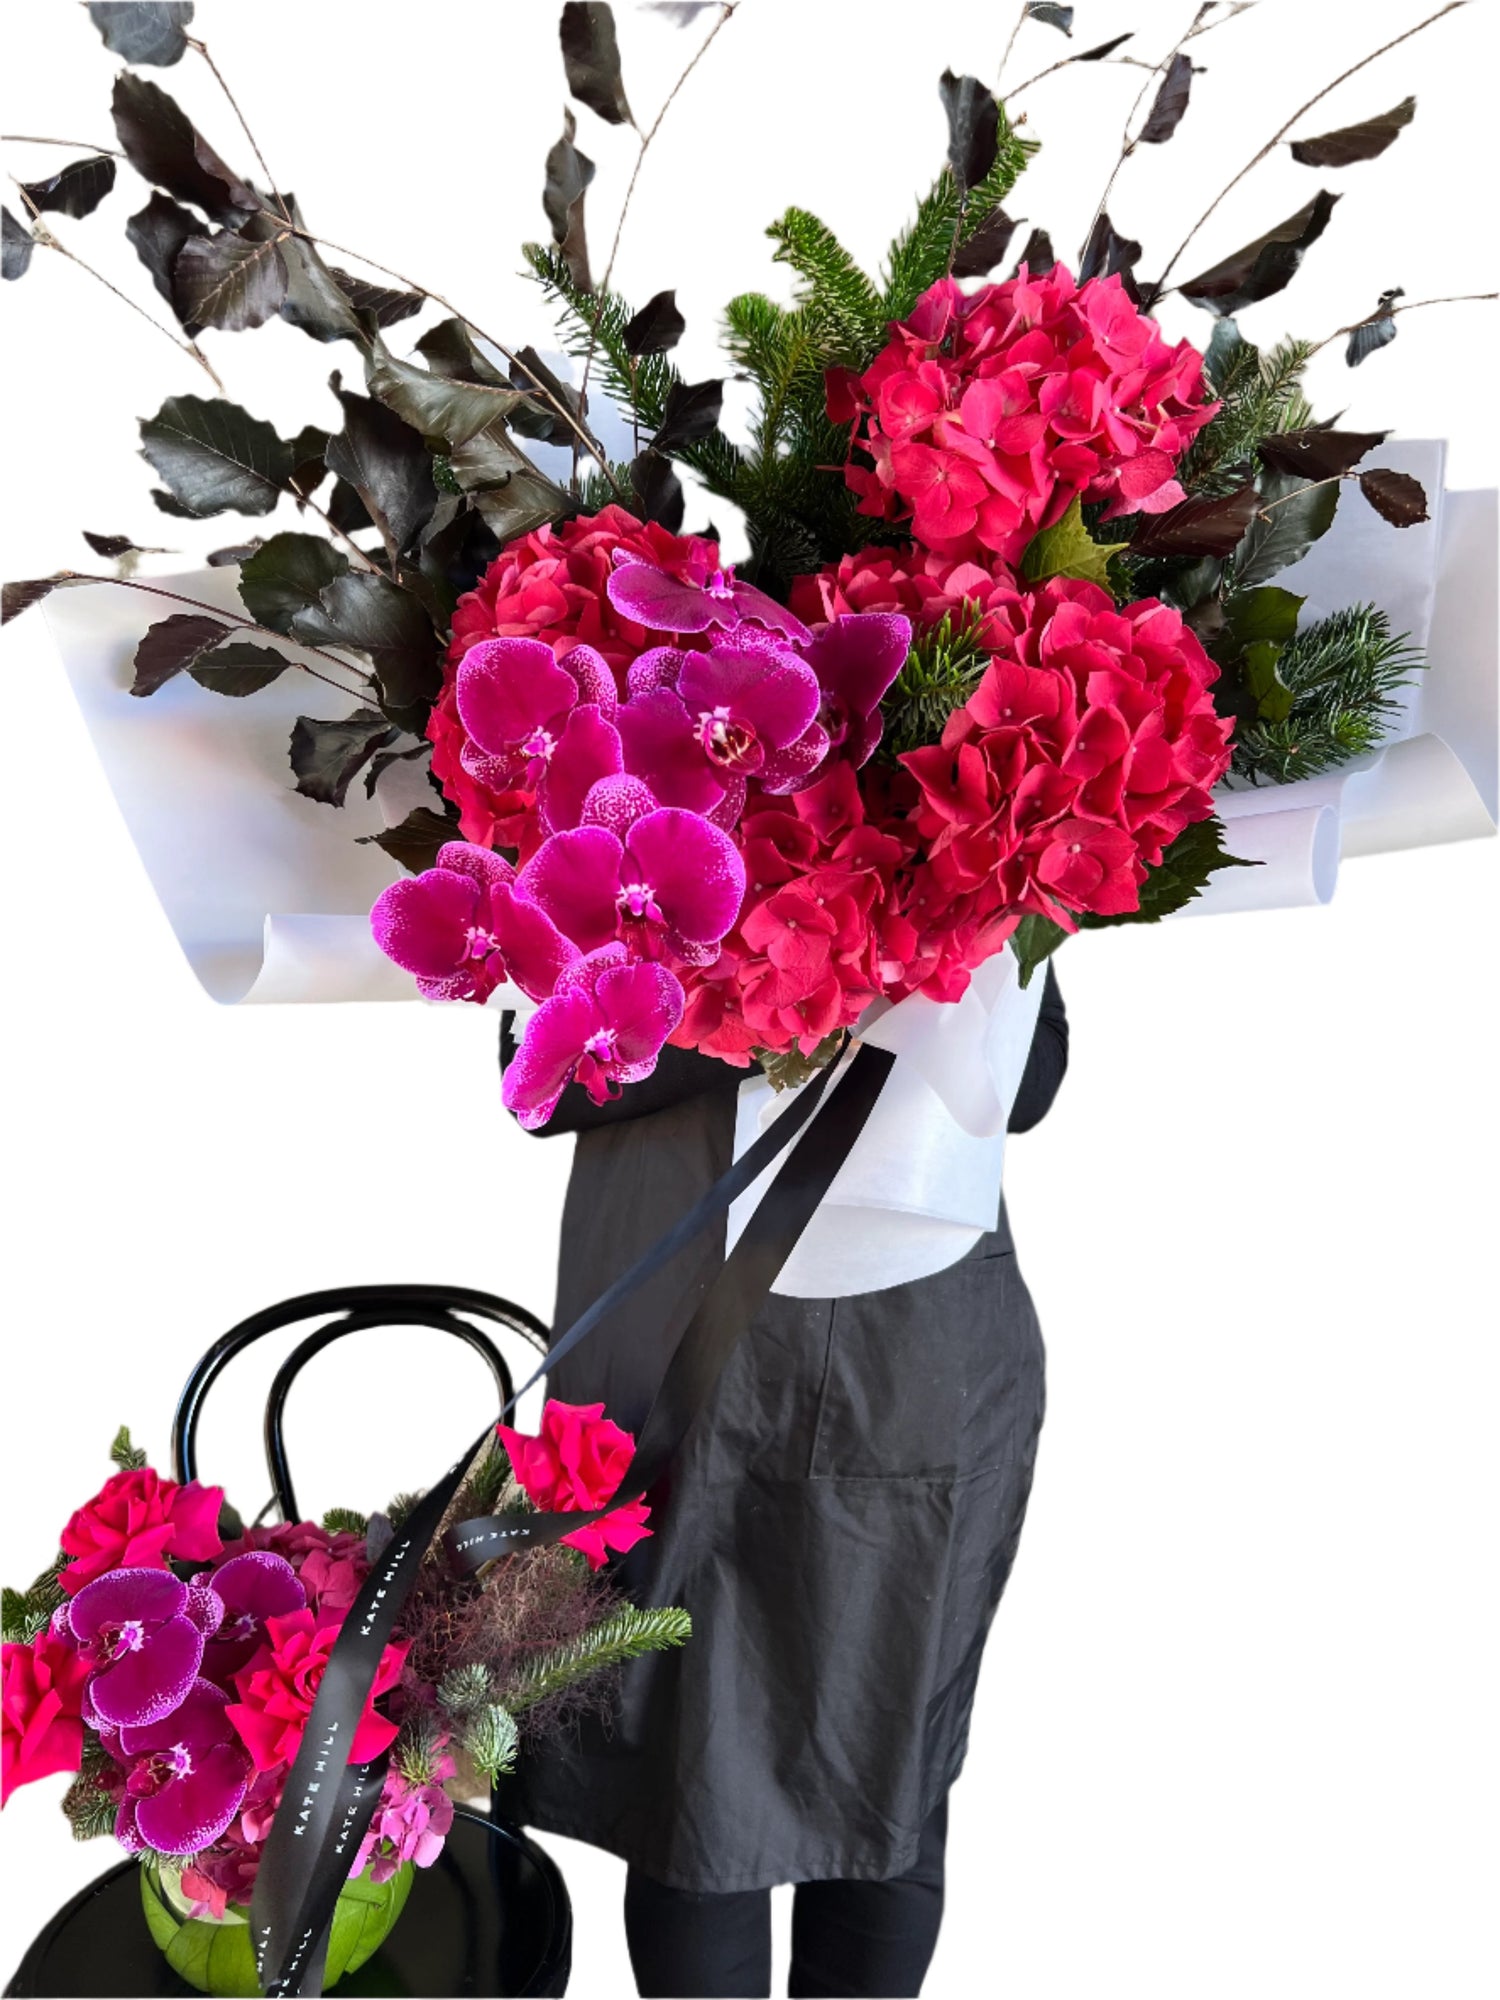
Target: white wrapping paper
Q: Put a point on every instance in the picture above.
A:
(268, 893)
(1437, 779)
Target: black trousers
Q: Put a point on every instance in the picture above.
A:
(867, 1940)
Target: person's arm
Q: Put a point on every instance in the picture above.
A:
(1047, 1062)
(680, 1074)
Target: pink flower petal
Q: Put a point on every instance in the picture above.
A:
(509, 687)
(661, 747)
(575, 878)
(642, 1003)
(588, 750)
(773, 692)
(423, 921)
(541, 1068)
(694, 870)
(534, 949)
(650, 597)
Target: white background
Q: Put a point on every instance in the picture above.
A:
(1236, 1732)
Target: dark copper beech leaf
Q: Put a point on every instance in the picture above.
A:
(143, 31)
(386, 463)
(1049, 12)
(238, 668)
(1265, 266)
(1108, 252)
(214, 458)
(591, 59)
(1316, 453)
(973, 127)
(657, 327)
(1038, 256)
(160, 142)
(1379, 330)
(326, 756)
(983, 248)
(228, 281)
(18, 246)
(387, 307)
(76, 189)
(158, 232)
(232, 557)
(416, 841)
(1170, 102)
(1395, 496)
(568, 175)
(172, 644)
(112, 547)
(1103, 49)
(1365, 141)
(18, 597)
(658, 489)
(691, 411)
(1198, 527)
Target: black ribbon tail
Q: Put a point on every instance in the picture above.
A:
(327, 1803)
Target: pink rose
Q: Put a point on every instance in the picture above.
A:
(277, 1690)
(136, 1521)
(43, 1686)
(576, 1464)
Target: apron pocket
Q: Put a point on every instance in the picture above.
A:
(938, 1379)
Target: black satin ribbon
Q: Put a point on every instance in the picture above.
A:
(328, 1803)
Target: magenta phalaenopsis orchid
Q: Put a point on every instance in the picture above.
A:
(662, 603)
(462, 929)
(674, 882)
(517, 702)
(142, 1631)
(252, 1587)
(186, 1775)
(604, 1027)
(855, 660)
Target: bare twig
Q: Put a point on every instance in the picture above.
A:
(232, 622)
(1374, 318)
(1276, 137)
(1016, 26)
(48, 241)
(1128, 142)
(202, 49)
(30, 139)
(726, 10)
(306, 500)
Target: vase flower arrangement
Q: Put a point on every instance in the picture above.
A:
(169, 1659)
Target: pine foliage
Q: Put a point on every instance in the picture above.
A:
(622, 1636)
(492, 1741)
(797, 515)
(1261, 395)
(346, 1521)
(1343, 672)
(943, 668)
(24, 1613)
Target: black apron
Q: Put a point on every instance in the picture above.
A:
(840, 1523)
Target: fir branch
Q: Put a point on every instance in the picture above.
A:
(24, 1613)
(841, 302)
(622, 1636)
(90, 1810)
(346, 1521)
(465, 1688)
(943, 668)
(129, 1457)
(1343, 672)
(920, 254)
(492, 1740)
(488, 1478)
(1261, 394)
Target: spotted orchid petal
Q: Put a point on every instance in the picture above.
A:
(131, 1625)
(187, 1774)
(768, 696)
(691, 871)
(575, 879)
(512, 693)
(790, 769)
(605, 1027)
(587, 750)
(662, 603)
(662, 747)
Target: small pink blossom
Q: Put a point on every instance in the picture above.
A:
(462, 929)
(604, 1027)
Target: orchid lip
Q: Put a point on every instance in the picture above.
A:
(113, 1642)
(720, 584)
(732, 744)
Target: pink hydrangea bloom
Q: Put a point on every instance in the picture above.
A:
(411, 1823)
(989, 412)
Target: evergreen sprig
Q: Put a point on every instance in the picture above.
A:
(346, 1521)
(1343, 672)
(945, 665)
(488, 1478)
(920, 255)
(129, 1457)
(1261, 395)
(90, 1809)
(622, 1636)
(24, 1613)
(492, 1741)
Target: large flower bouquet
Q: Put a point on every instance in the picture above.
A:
(1009, 613)
(170, 1658)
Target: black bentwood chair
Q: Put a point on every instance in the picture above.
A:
(492, 1915)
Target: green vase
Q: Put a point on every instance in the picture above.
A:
(214, 1954)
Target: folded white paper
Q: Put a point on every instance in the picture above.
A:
(268, 893)
(1438, 777)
